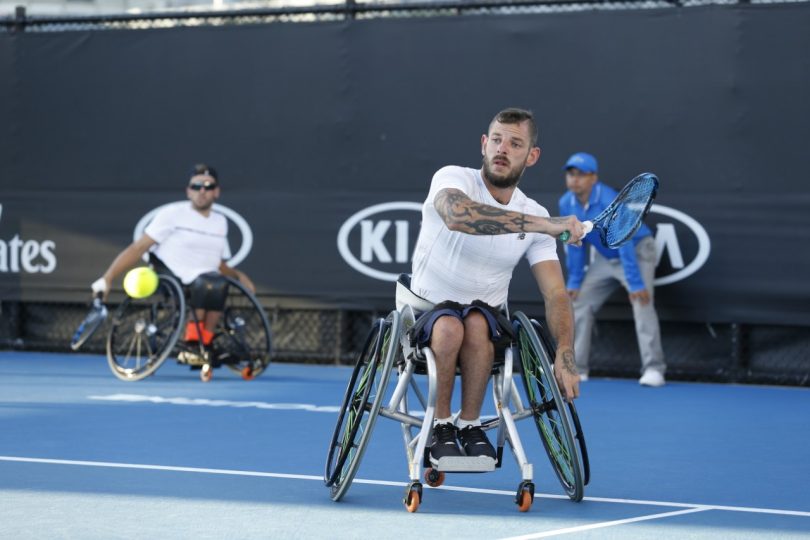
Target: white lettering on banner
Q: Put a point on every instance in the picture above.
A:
(372, 239)
(376, 244)
(670, 242)
(27, 256)
(665, 239)
(371, 243)
(240, 222)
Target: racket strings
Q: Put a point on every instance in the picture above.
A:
(632, 205)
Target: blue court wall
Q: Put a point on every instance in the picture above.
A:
(327, 134)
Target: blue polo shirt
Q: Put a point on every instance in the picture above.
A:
(601, 197)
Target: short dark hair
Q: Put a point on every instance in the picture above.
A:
(202, 168)
(514, 115)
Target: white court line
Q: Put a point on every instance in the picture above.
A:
(233, 472)
(202, 402)
(604, 524)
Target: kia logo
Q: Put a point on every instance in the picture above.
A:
(239, 221)
(668, 240)
(376, 241)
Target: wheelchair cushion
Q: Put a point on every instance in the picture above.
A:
(406, 297)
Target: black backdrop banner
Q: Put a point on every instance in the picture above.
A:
(326, 136)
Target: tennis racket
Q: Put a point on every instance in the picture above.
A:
(96, 316)
(621, 219)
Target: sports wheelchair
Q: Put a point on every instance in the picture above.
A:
(389, 346)
(144, 333)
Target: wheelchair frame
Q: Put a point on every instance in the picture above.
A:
(388, 346)
(144, 333)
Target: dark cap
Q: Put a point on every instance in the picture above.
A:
(202, 168)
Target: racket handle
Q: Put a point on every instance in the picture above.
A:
(587, 225)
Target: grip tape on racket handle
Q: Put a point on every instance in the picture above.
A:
(587, 225)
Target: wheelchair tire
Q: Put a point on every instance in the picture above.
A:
(361, 405)
(551, 413)
(242, 338)
(545, 339)
(144, 332)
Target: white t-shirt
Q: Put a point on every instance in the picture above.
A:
(451, 265)
(189, 243)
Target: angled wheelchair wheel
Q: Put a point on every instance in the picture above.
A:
(552, 415)
(361, 405)
(242, 337)
(546, 341)
(143, 332)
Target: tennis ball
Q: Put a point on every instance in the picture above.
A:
(140, 282)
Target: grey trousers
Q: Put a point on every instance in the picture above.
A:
(602, 278)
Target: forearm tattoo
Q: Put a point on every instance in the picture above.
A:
(568, 362)
(462, 213)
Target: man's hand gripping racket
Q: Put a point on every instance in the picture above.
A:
(96, 316)
(621, 219)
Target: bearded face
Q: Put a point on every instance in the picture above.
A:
(507, 152)
(501, 173)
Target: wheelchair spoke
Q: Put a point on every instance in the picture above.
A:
(551, 414)
(242, 337)
(360, 407)
(144, 331)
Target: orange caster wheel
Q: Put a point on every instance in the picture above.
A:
(434, 478)
(525, 496)
(247, 373)
(413, 497)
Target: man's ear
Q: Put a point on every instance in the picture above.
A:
(534, 156)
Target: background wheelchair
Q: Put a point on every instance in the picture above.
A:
(389, 348)
(144, 333)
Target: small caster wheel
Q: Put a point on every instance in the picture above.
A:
(206, 373)
(434, 478)
(247, 373)
(525, 496)
(413, 497)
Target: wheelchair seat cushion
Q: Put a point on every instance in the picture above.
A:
(406, 297)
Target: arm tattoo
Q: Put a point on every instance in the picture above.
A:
(461, 213)
(568, 362)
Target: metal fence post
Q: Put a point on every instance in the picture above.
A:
(739, 360)
(339, 336)
(19, 19)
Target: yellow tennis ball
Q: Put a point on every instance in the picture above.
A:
(140, 282)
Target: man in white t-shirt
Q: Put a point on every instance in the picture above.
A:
(476, 226)
(190, 240)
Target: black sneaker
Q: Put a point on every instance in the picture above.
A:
(444, 443)
(475, 442)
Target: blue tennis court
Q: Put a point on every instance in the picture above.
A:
(84, 455)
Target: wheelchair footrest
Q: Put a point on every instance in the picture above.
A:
(191, 358)
(465, 464)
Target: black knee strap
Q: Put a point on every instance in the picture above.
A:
(209, 291)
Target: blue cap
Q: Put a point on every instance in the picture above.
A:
(582, 161)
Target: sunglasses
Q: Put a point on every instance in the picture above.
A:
(203, 186)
